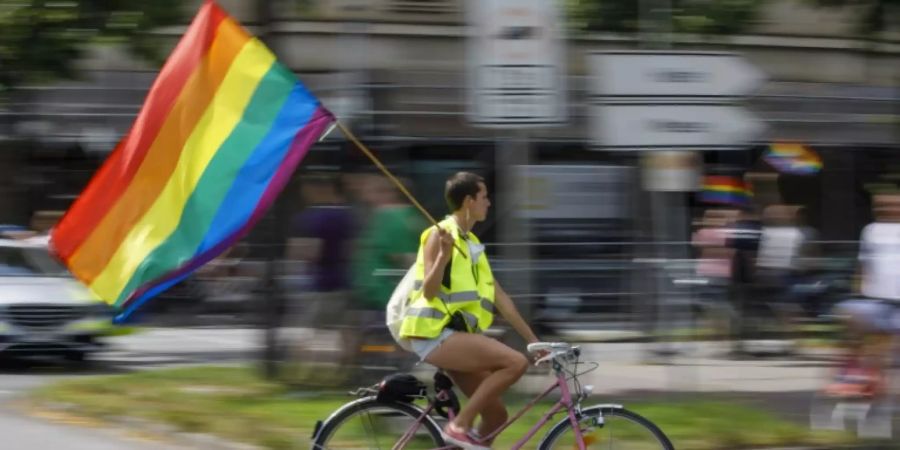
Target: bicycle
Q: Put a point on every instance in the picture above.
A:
(382, 420)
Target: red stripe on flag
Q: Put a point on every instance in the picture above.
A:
(721, 180)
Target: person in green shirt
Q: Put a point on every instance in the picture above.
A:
(387, 246)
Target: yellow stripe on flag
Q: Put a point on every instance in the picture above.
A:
(720, 188)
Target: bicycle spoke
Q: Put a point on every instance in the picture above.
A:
(372, 431)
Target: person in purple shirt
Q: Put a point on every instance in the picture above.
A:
(322, 237)
(326, 227)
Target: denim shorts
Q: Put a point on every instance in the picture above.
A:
(423, 347)
(883, 316)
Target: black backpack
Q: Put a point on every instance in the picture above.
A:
(400, 387)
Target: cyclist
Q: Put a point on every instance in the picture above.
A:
(873, 321)
(453, 303)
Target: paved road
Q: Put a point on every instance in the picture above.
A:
(30, 433)
(149, 349)
(146, 350)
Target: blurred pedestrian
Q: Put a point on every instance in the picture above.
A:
(715, 262)
(322, 236)
(388, 243)
(744, 237)
(872, 321)
(780, 264)
(710, 240)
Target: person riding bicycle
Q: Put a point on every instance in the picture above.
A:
(453, 303)
(873, 321)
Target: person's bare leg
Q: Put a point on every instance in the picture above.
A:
(474, 353)
(877, 356)
(858, 353)
(494, 414)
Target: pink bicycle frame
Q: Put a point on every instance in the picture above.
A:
(565, 402)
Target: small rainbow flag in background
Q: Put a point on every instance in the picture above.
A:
(725, 190)
(793, 158)
(221, 131)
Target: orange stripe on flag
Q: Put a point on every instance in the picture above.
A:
(721, 180)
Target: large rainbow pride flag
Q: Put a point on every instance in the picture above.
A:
(221, 131)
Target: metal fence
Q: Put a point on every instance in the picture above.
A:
(612, 291)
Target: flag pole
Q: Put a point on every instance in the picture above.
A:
(362, 147)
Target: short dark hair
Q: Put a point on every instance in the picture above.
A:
(460, 186)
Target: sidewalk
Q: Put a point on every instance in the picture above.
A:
(700, 367)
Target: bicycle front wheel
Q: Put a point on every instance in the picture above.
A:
(369, 424)
(608, 427)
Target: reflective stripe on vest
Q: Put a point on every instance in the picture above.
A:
(471, 321)
(455, 297)
(428, 313)
(487, 305)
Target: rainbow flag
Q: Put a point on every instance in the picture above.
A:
(793, 158)
(725, 190)
(221, 131)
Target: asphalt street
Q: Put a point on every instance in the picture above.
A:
(25, 429)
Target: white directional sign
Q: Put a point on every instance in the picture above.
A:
(671, 101)
(673, 75)
(515, 63)
(690, 127)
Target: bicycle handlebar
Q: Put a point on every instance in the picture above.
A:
(554, 350)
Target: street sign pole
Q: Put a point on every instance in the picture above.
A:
(659, 205)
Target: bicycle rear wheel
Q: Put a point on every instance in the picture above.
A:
(608, 428)
(369, 424)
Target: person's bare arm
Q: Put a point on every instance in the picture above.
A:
(508, 310)
(438, 250)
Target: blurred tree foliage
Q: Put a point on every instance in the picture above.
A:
(713, 16)
(874, 15)
(41, 40)
(688, 16)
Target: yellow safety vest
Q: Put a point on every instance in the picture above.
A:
(465, 287)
